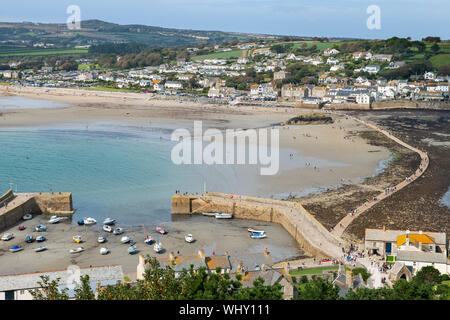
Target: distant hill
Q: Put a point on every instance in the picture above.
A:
(96, 32)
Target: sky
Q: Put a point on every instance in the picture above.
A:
(330, 18)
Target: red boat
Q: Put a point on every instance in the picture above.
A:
(161, 230)
(21, 228)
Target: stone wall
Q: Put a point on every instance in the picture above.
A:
(310, 235)
(15, 213)
(54, 203)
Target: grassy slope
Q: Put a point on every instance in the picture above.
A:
(218, 55)
(39, 52)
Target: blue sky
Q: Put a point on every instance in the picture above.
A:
(332, 18)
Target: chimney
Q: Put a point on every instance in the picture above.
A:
(172, 257)
(201, 255)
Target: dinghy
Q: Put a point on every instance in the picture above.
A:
(158, 247)
(54, 219)
(104, 251)
(7, 236)
(80, 222)
(29, 239)
(16, 248)
(40, 248)
(258, 235)
(40, 239)
(209, 214)
(109, 221)
(118, 231)
(107, 228)
(89, 221)
(77, 250)
(221, 215)
(161, 230)
(28, 216)
(189, 238)
(21, 228)
(148, 240)
(77, 239)
(41, 228)
(132, 248)
(101, 239)
(125, 239)
(255, 231)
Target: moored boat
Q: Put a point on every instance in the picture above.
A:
(29, 239)
(161, 230)
(209, 214)
(104, 251)
(118, 231)
(80, 222)
(107, 228)
(28, 216)
(101, 239)
(77, 239)
(41, 228)
(21, 228)
(189, 238)
(40, 239)
(148, 240)
(16, 248)
(158, 247)
(125, 239)
(132, 248)
(109, 221)
(40, 248)
(54, 219)
(255, 231)
(77, 250)
(7, 236)
(258, 235)
(89, 221)
(221, 215)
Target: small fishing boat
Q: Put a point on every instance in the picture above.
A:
(80, 222)
(255, 231)
(41, 228)
(158, 247)
(89, 221)
(132, 248)
(16, 248)
(161, 230)
(258, 235)
(40, 239)
(77, 239)
(40, 248)
(77, 250)
(7, 236)
(189, 238)
(101, 239)
(125, 239)
(54, 219)
(109, 221)
(21, 228)
(221, 215)
(28, 216)
(209, 214)
(107, 228)
(29, 239)
(118, 231)
(104, 251)
(148, 239)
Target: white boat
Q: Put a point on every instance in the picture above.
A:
(161, 230)
(189, 238)
(40, 248)
(28, 216)
(77, 239)
(132, 248)
(209, 214)
(221, 215)
(125, 239)
(118, 231)
(258, 235)
(54, 219)
(40, 239)
(109, 221)
(7, 236)
(41, 228)
(255, 231)
(77, 250)
(107, 228)
(104, 251)
(101, 239)
(89, 221)
(158, 247)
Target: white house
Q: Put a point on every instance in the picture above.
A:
(174, 85)
(429, 75)
(332, 60)
(363, 98)
(371, 68)
(330, 52)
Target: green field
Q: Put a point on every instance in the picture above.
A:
(440, 60)
(38, 52)
(314, 270)
(220, 55)
(320, 45)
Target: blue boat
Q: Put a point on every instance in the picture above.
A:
(16, 248)
(41, 228)
(132, 248)
(40, 239)
(29, 239)
(80, 222)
